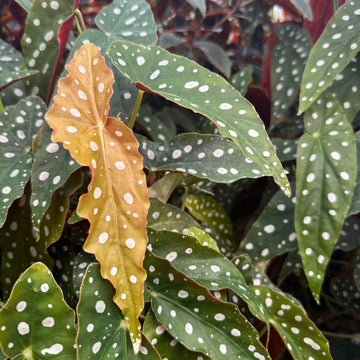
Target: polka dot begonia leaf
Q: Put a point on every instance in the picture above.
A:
(52, 167)
(336, 47)
(212, 270)
(211, 215)
(40, 44)
(104, 335)
(19, 125)
(300, 335)
(117, 202)
(164, 187)
(35, 321)
(196, 319)
(325, 181)
(357, 271)
(191, 153)
(241, 79)
(203, 237)
(18, 243)
(152, 124)
(10, 62)
(152, 69)
(286, 75)
(346, 89)
(285, 148)
(345, 293)
(130, 20)
(167, 346)
(169, 217)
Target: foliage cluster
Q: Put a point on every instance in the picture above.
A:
(179, 179)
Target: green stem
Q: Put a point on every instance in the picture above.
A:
(131, 122)
(335, 5)
(1, 106)
(80, 23)
(343, 336)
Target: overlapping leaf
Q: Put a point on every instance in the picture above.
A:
(19, 124)
(335, 48)
(39, 43)
(166, 345)
(153, 69)
(325, 180)
(102, 332)
(191, 153)
(196, 319)
(128, 20)
(36, 322)
(355, 203)
(117, 202)
(241, 79)
(213, 216)
(286, 75)
(10, 62)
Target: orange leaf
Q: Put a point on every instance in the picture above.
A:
(117, 202)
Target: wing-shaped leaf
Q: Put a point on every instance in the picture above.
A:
(36, 322)
(204, 92)
(325, 181)
(51, 168)
(19, 125)
(168, 347)
(18, 243)
(286, 75)
(169, 217)
(117, 202)
(335, 48)
(40, 44)
(10, 62)
(191, 153)
(102, 332)
(128, 20)
(197, 319)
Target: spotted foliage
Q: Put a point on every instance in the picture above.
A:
(231, 113)
(336, 47)
(241, 79)
(325, 181)
(109, 148)
(32, 331)
(19, 125)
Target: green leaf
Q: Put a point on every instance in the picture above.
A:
(52, 167)
(302, 338)
(273, 232)
(241, 79)
(25, 4)
(346, 293)
(233, 115)
(346, 88)
(335, 48)
(198, 320)
(286, 75)
(286, 149)
(18, 243)
(128, 20)
(163, 188)
(325, 179)
(169, 217)
(40, 44)
(10, 62)
(204, 238)
(35, 321)
(216, 55)
(355, 203)
(19, 125)
(102, 331)
(191, 153)
(165, 344)
(213, 216)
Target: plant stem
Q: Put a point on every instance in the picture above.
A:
(131, 122)
(1, 106)
(343, 336)
(184, 198)
(335, 5)
(80, 23)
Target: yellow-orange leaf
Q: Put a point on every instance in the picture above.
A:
(117, 202)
